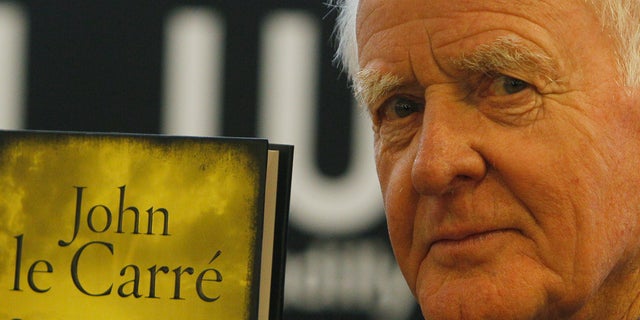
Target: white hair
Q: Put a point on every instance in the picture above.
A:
(620, 17)
(347, 46)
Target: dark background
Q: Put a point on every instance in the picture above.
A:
(99, 66)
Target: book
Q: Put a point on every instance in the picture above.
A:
(116, 226)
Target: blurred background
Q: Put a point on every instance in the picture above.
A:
(249, 68)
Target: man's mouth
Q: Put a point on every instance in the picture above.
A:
(470, 246)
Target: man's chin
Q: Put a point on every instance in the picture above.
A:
(481, 297)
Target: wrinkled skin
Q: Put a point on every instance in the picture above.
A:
(513, 193)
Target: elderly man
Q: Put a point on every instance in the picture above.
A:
(507, 138)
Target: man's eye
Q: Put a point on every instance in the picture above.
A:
(504, 85)
(399, 107)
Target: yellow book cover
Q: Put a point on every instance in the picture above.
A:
(107, 226)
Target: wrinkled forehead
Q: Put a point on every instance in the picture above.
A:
(385, 13)
(384, 25)
(374, 16)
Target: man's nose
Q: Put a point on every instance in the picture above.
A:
(446, 158)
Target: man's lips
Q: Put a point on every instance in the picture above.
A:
(460, 237)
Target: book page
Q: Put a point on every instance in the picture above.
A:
(129, 228)
(267, 234)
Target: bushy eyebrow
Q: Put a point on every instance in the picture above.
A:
(370, 85)
(502, 55)
(506, 54)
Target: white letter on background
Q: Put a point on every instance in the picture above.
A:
(194, 56)
(288, 87)
(13, 53)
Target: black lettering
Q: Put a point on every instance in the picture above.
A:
(135, 282)
(77, 220)
(151, 213)
(152, 281)
(176, 289)
(16, 279)
(121, 211)
(74, 268)
(90, 218)
(32, 270)
(201, 278)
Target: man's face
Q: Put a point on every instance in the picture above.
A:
(507, 153)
